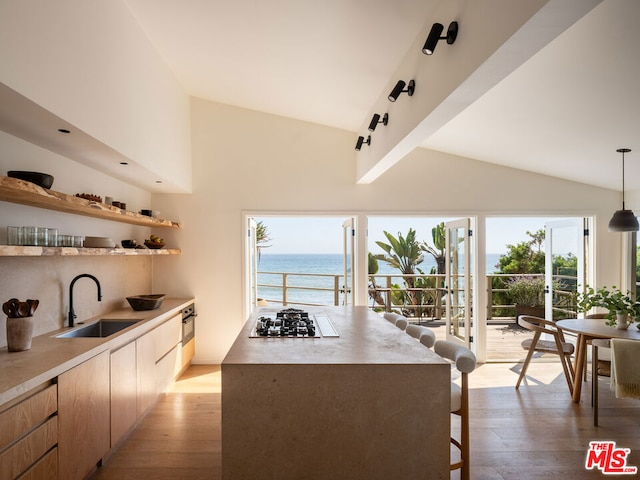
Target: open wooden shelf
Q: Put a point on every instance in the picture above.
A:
(25, 193)
(24, 251)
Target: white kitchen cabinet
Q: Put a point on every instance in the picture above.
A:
(83, 417)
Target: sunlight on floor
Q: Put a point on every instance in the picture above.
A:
(199, 379)
(493, 375)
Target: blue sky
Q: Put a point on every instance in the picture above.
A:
(324, 234)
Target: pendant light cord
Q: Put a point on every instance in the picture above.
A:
(623, 180)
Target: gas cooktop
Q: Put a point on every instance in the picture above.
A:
(293, 323)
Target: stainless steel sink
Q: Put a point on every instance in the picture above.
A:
(102, 328)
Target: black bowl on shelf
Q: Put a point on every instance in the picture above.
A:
(145, 302)
(129, 243)
(43, 180)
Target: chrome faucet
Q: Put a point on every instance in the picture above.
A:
(72, 314)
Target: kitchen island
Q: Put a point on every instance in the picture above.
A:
(371, 403)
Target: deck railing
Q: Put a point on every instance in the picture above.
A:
(388, 292)
(325, 286)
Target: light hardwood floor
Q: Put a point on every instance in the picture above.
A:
(179, 439)
(534, 433)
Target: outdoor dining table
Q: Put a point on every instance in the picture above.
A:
(587, 329)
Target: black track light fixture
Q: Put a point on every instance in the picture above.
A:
(434, 36)
(399, 88)
(623, 220)
(361, 140)
(375, 120)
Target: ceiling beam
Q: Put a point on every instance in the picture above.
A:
(495, 38)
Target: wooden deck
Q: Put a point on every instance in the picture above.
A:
(503, 341)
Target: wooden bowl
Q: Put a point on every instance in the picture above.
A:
(154, 244)
(145, 302)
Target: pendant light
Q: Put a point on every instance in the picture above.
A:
(623, 220)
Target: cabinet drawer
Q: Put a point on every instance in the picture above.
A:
(21, 455)
(167, 336)
(23, 417)
(45, 469)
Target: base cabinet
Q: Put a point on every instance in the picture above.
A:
(146, 380)
(83, 414)
(45, 469)
(65, 427)
(29, 435)
(168, 337)
(124, 392)
(157, 355)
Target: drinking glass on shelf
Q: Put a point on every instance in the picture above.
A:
(14, 236)
(78, 241)
(65, 241)
(36, 236)
(52, 237)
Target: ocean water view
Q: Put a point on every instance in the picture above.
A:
(325, 267)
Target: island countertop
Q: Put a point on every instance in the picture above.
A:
(364, 338)
(372, 403)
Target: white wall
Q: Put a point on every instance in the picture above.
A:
(245, 161)
(91, 64)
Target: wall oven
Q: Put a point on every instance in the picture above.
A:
(188, 323)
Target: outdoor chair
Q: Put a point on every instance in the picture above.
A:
(557, 346)
(465, 362)
(423, 334)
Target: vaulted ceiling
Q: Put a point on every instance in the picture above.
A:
(563, 113)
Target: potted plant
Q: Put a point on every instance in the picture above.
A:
(527, 293)
(621, 307)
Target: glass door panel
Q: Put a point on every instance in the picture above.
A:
(252, 265)
(565, 271)
(349, 236)
(458, 282)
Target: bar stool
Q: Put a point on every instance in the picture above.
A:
(465, 363)
(423, 334)
(398, 320)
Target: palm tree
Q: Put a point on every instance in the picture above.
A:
(438, 249)
(262, 237)
(405, 254)
(439, 253)
(374, 293)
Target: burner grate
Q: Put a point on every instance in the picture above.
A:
(291, 322)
